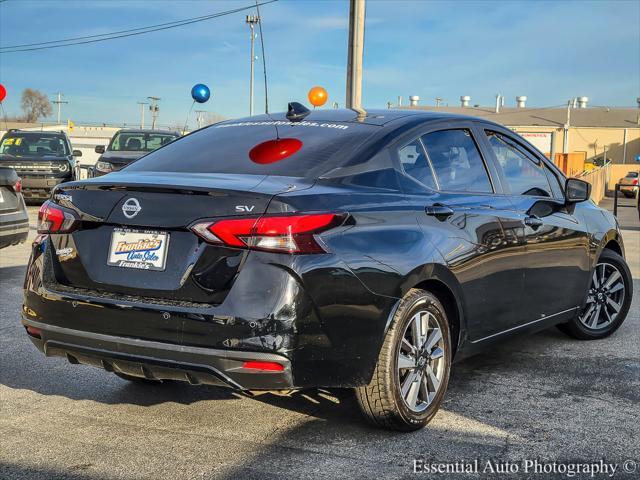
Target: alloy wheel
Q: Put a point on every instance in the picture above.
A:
(605, 298)
(421, 361)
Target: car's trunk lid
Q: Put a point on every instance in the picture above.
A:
(162, 204)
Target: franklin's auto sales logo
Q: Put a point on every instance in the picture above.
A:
(138, 246)
(131, 207)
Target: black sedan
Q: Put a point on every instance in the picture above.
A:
(129, 145)
(330, 249)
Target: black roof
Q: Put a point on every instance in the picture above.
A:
(379, 117)
(36, 132)
(148, 130)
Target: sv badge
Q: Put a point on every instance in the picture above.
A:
(245, 208)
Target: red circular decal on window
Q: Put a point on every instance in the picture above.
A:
(273, 151)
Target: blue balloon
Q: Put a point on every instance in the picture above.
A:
(200, 93)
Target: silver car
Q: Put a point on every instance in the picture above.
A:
(14, 220)
(629, 184)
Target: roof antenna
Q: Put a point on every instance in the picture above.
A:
(297, 112)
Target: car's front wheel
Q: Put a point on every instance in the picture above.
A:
(608, 300)
(412, 371)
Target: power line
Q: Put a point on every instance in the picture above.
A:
(86, 37)
(121, 34)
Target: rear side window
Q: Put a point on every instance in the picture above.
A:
(523, 174)
(303, 149)
(414, 163)
(456, 161)
(139, 141)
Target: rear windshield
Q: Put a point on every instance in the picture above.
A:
(303, 149)
(32, 144)
(632, 175)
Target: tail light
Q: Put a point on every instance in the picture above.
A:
(17, 187)
(283, 233)
(635, 181)
(55, 219)
(263, 366)
(34, 332)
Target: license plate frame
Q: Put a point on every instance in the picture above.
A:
(138, 249)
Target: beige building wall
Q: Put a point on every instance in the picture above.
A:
(594, 140)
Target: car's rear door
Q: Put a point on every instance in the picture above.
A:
(459, 207)
(556, 253)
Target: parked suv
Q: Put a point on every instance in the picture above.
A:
(129, 145)
(338, 250)
(41, 159)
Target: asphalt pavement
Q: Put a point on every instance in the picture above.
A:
(544, 397)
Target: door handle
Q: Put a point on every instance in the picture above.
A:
(533, 222)
(438, 210)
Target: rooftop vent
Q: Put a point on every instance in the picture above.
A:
(464, 100)
(582, 102)
(413, 100)
(521, 101)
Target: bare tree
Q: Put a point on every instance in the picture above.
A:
(35, 104)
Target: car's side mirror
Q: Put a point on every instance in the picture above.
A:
(577, 190)
(77, 153)
(100, 149)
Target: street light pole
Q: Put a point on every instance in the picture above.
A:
(142, 104)
(59, 103)
(154, 111)
(252, 21)
(356, 49)
(200, 117)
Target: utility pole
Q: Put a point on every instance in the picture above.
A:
(252, 21)
(154, 110)
(200, 117)
(356, 49)
(59, 103)
(565, 139)
(142, 104)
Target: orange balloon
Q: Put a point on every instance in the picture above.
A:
(318, 96)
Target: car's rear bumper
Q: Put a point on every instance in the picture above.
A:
(40, 186)
(14, 227)
(629, 188)
(161, 361)
(325, 329)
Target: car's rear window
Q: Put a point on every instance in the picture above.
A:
(302, 149)
(632, 175)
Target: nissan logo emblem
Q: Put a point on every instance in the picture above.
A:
(131, 207)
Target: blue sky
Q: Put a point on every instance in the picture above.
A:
(548, 50)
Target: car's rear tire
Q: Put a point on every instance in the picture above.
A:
(141, 380)
(412, 371)
(608, 300)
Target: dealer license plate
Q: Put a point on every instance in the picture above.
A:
(141, 249)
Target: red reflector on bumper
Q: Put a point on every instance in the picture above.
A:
(34, 332)
(266, 366)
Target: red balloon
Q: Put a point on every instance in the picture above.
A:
(3, 92)
(273, 151)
